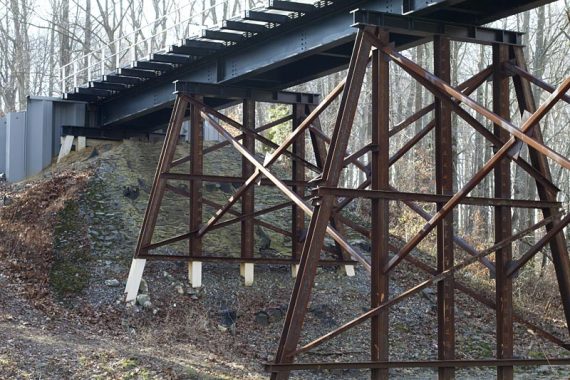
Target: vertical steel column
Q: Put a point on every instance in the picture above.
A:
(320, 150)
(380, 229)
(444, 185)
(159, 184)
(503, 222)
(558, 243)
(196, 168)
(247, 169)
(156, 195)
(298, 174)
(323, 209)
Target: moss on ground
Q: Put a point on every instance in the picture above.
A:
(69, 273)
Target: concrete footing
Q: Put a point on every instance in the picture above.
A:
(246, 270)
(195, 273)
(66, 145)
(134, 280)
(294, 270)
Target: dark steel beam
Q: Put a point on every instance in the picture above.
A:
(105, 133)
(222, 35)
(227, 259)
(94, 91)
(197, 169)
(108, 86)
(146, 65)
(470, 11)
(122, 79)
(289, 61)
(265, 16)
(247, 169)
(433, 198)
(411, 6)
(380, 209)
(413, 26)
(171, 58)
(138, 73)
(234, 92)
(444, 185)
(221, 179)
(81, 97)
(503, 218)
(191, 51)
(291, 6)
(298, 174)
(415, 364)
(244, 26)
(203, 44)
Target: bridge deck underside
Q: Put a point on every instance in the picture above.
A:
(305, 46)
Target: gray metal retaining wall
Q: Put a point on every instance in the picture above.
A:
(15, 146)
(30, 139)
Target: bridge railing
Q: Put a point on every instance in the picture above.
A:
(155, 37)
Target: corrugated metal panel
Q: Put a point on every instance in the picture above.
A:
(211, 134)
(3, 144)
(39, 135)
(16, 146)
